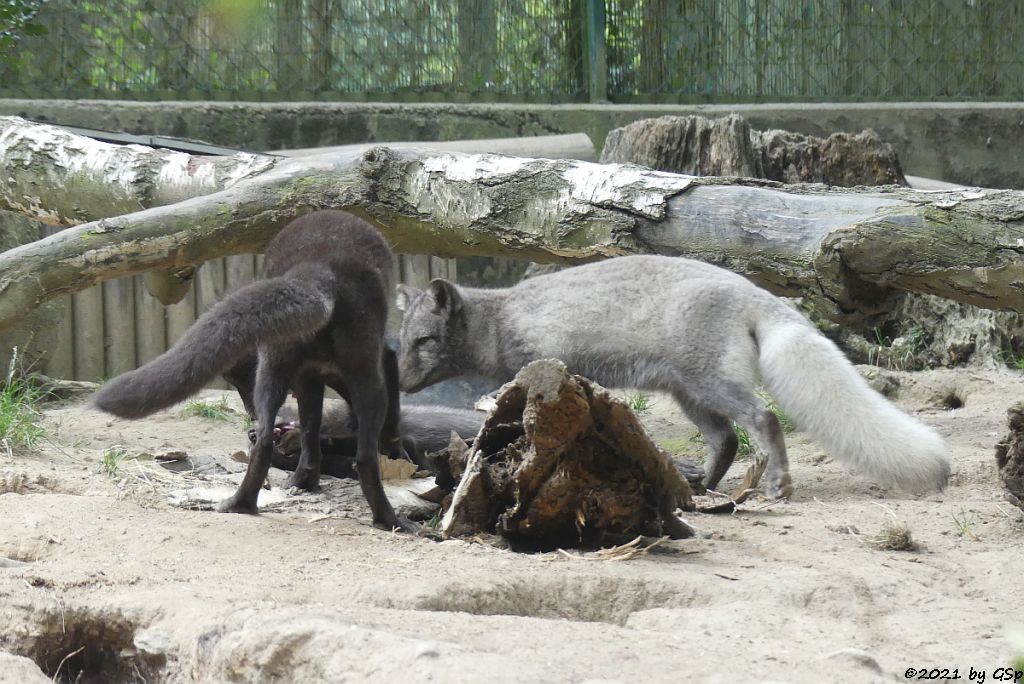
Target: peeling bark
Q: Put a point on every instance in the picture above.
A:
(61, 178)
(844, 249)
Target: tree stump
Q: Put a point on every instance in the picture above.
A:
(560, 462)
(1010, 455)
(729, 147)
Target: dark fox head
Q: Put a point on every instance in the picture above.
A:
(433, 335)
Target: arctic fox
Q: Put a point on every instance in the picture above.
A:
(704, 334)
(316, 318)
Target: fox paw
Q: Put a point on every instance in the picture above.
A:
(305, 480)
(238, 504)
(781, 488)
(398, 525)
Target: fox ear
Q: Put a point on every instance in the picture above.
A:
(404, 296)
(447, 300)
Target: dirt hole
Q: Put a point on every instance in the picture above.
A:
(952, 401)
(580, 599)
(22, 483)
(76, 645)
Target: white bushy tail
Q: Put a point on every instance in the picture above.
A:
(825, 396)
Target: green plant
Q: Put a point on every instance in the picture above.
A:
(1013, 360)
(881, 339)
(784, 420)
(112, 457)
(964, 524)
(638, 401)
(214, 410)
(746, 447)
(918, 338)
(19, 410)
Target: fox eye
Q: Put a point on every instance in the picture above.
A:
(420, 341)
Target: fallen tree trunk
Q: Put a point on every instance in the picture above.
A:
(564, 146)
(843, 248)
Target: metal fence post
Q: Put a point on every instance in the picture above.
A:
(594, 52)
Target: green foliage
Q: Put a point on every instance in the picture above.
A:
(918, 338)
(1013, 360)
(638, 401)
(19, 410)
(15, 21)
(213, 410)
(112, 457)
(881, 339)
(532, 50)
(746, 447)
(785, 421)
(964, 523)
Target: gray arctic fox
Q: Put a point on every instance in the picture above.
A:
(704, 334)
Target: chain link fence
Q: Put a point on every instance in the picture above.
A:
(523, 50)
(764, 50)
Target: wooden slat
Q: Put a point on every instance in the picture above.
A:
(88, 334)
(118, 326)
(181, 315)
(150, 325)
(416, 270)
(239, 270)
(210, 288)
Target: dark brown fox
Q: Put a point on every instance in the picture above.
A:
(315, 319)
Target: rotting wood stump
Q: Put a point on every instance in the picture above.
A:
(728, 146)
(1010, 455)
(560, 462)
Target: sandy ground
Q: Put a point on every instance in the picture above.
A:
(310, 592)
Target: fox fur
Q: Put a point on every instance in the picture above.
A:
(315, 319)
(702, 333)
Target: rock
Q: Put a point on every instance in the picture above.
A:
(882, 381)
(857, 657)
(152, 641)
(15, 668)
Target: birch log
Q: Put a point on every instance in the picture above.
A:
(845, 248)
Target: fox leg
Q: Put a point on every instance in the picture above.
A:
(767, 431)
(391, 434)
(725, 398)
(721, 442)
(272, 379)
(369, 404)
(309, 391)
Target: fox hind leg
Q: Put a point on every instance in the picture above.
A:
(719, 399)
(720, 440)
(309, 392)
(767, 432)
(272, 380)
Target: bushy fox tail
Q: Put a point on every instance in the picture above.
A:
(818, 387)
(293, 306)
